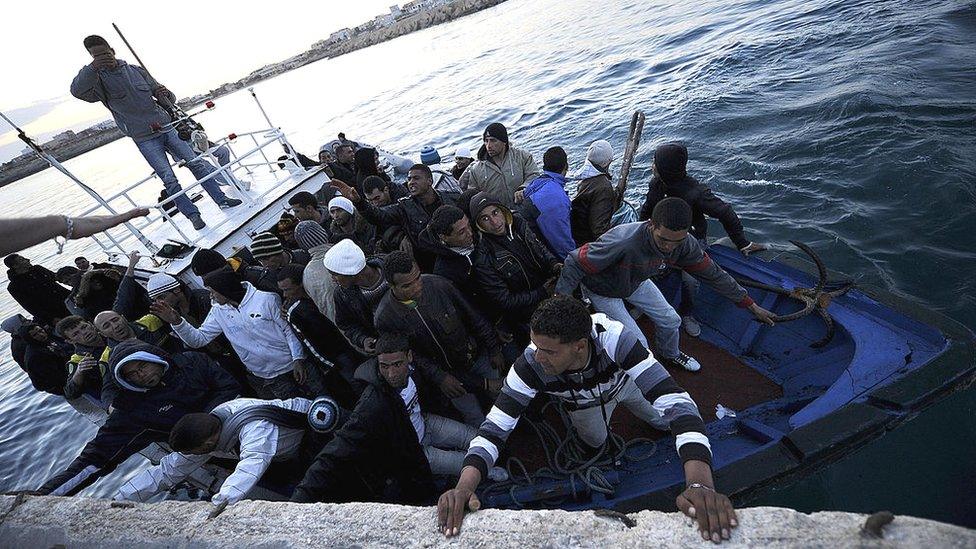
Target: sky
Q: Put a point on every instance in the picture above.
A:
(188, 48)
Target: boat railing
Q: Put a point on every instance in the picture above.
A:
(243, 166)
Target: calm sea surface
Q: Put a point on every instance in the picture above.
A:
(847, 125)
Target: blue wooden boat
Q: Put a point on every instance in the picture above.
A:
(808, 400)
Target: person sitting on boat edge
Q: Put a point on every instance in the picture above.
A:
(344, 167)
(138, 104)
(445, 329)
(596, 199)
(329, 351)
(501, 169)
(347, 222)
(36, 289)
(546, 206)
(360, 287)
(592, 364)
(44, 357)
(670, 179)
(515, 272)
(367, 162)
(155, 390)
(305, 206)
(251, 431)
(617, 268)
(254, 324)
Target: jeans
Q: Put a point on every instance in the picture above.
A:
(445, 443)
(649, 300)
(591, 426)
(154, 150)
(283, 386)
(473, 380)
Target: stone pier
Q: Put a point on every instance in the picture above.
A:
(82, 522)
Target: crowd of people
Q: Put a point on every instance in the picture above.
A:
(432, 313)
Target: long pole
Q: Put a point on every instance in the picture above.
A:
(132, 51)
(53, 162)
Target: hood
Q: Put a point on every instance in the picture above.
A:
(14, 323)
(134, 349)
(589, 170)
(671, 160)
(481, 201)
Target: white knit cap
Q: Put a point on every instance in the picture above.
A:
(342, 203)
(463, 152)
(345, 258)
(159, 283)
(600, 153)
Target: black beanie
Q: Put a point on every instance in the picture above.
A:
(206, 261)
(227, 283)
(498, 131)
(671, 160)
(673, 214)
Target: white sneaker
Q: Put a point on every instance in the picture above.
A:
(498, 474)
(691, 325)
(684, 361)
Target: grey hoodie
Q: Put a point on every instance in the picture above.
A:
(625, 256)
(127, 91)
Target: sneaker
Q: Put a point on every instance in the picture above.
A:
(682, 361)
(498, 474)
(197, 221)
(229, 203)
(691, 325)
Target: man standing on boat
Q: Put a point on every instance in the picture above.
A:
(137, 103)
(501, 169)
(616, 270)
(592, 365)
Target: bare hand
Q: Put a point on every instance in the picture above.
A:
(369, 345)
(519, 196)
(494, 386)
(87, 226)
(345, 190)
(762, 315)
(300, 371)
(451, 507)
(104, 61)
(712, 510)
(86, 365)
(753, 247)
(165, 312)
(452, 388)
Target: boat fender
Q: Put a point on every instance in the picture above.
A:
(325, 415)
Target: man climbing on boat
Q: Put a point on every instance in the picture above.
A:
(592, 364)
(138, 104)
(616, 270)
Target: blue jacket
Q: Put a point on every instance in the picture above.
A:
(546, 207)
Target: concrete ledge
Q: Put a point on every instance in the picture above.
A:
(82, 522)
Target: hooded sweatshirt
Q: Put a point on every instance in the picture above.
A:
(256, 329)
(191, 382)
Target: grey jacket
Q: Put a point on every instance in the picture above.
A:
(127, 91)
(517, 169)
(624, 257)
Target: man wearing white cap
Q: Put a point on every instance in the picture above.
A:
(596, 200)
(348, 223)
(361, 287)
(462, 159)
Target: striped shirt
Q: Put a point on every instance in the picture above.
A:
(615, 353)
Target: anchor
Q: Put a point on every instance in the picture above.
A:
(815, 299)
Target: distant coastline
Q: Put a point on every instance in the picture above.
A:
(411, 17)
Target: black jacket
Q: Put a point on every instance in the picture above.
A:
(191, 383)
(354, 316)
(39, 293)
(375, 456)
(318, 334)
(592, 209)
(363, 234)
(512, 270)
(702, 201)
(443, 327)
(407, 212)
(44, 363)
(453, 266)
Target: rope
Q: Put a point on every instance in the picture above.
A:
(567, 460)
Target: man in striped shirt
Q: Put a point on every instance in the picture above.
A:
(593, 364)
